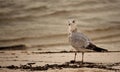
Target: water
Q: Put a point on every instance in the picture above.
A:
(41, 25)
(44, 22)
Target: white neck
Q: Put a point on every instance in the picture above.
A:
(71, 30)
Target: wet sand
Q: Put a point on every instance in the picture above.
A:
(17, 58)
(62, 70)
(41, 26)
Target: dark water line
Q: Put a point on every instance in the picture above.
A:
(74, 52)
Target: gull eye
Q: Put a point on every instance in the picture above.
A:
(69, 24)
(73, 21)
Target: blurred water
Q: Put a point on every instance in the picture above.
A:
(44, 22)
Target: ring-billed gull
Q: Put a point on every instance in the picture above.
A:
(80, 41)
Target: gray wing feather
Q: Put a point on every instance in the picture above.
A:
(79, 40)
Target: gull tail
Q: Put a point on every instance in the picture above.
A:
(95, 48)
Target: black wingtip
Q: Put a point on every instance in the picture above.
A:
(100, 49)
(95, 48)
(105, 50)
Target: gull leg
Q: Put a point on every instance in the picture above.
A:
(75, 56)
(82, 57)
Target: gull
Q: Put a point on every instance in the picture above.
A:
(81, 42)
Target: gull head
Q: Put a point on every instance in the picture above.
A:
(72, 26)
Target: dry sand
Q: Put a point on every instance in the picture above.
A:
(41, 25)
(18, 58)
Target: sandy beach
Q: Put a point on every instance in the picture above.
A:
(17, 58)
(36, 32)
